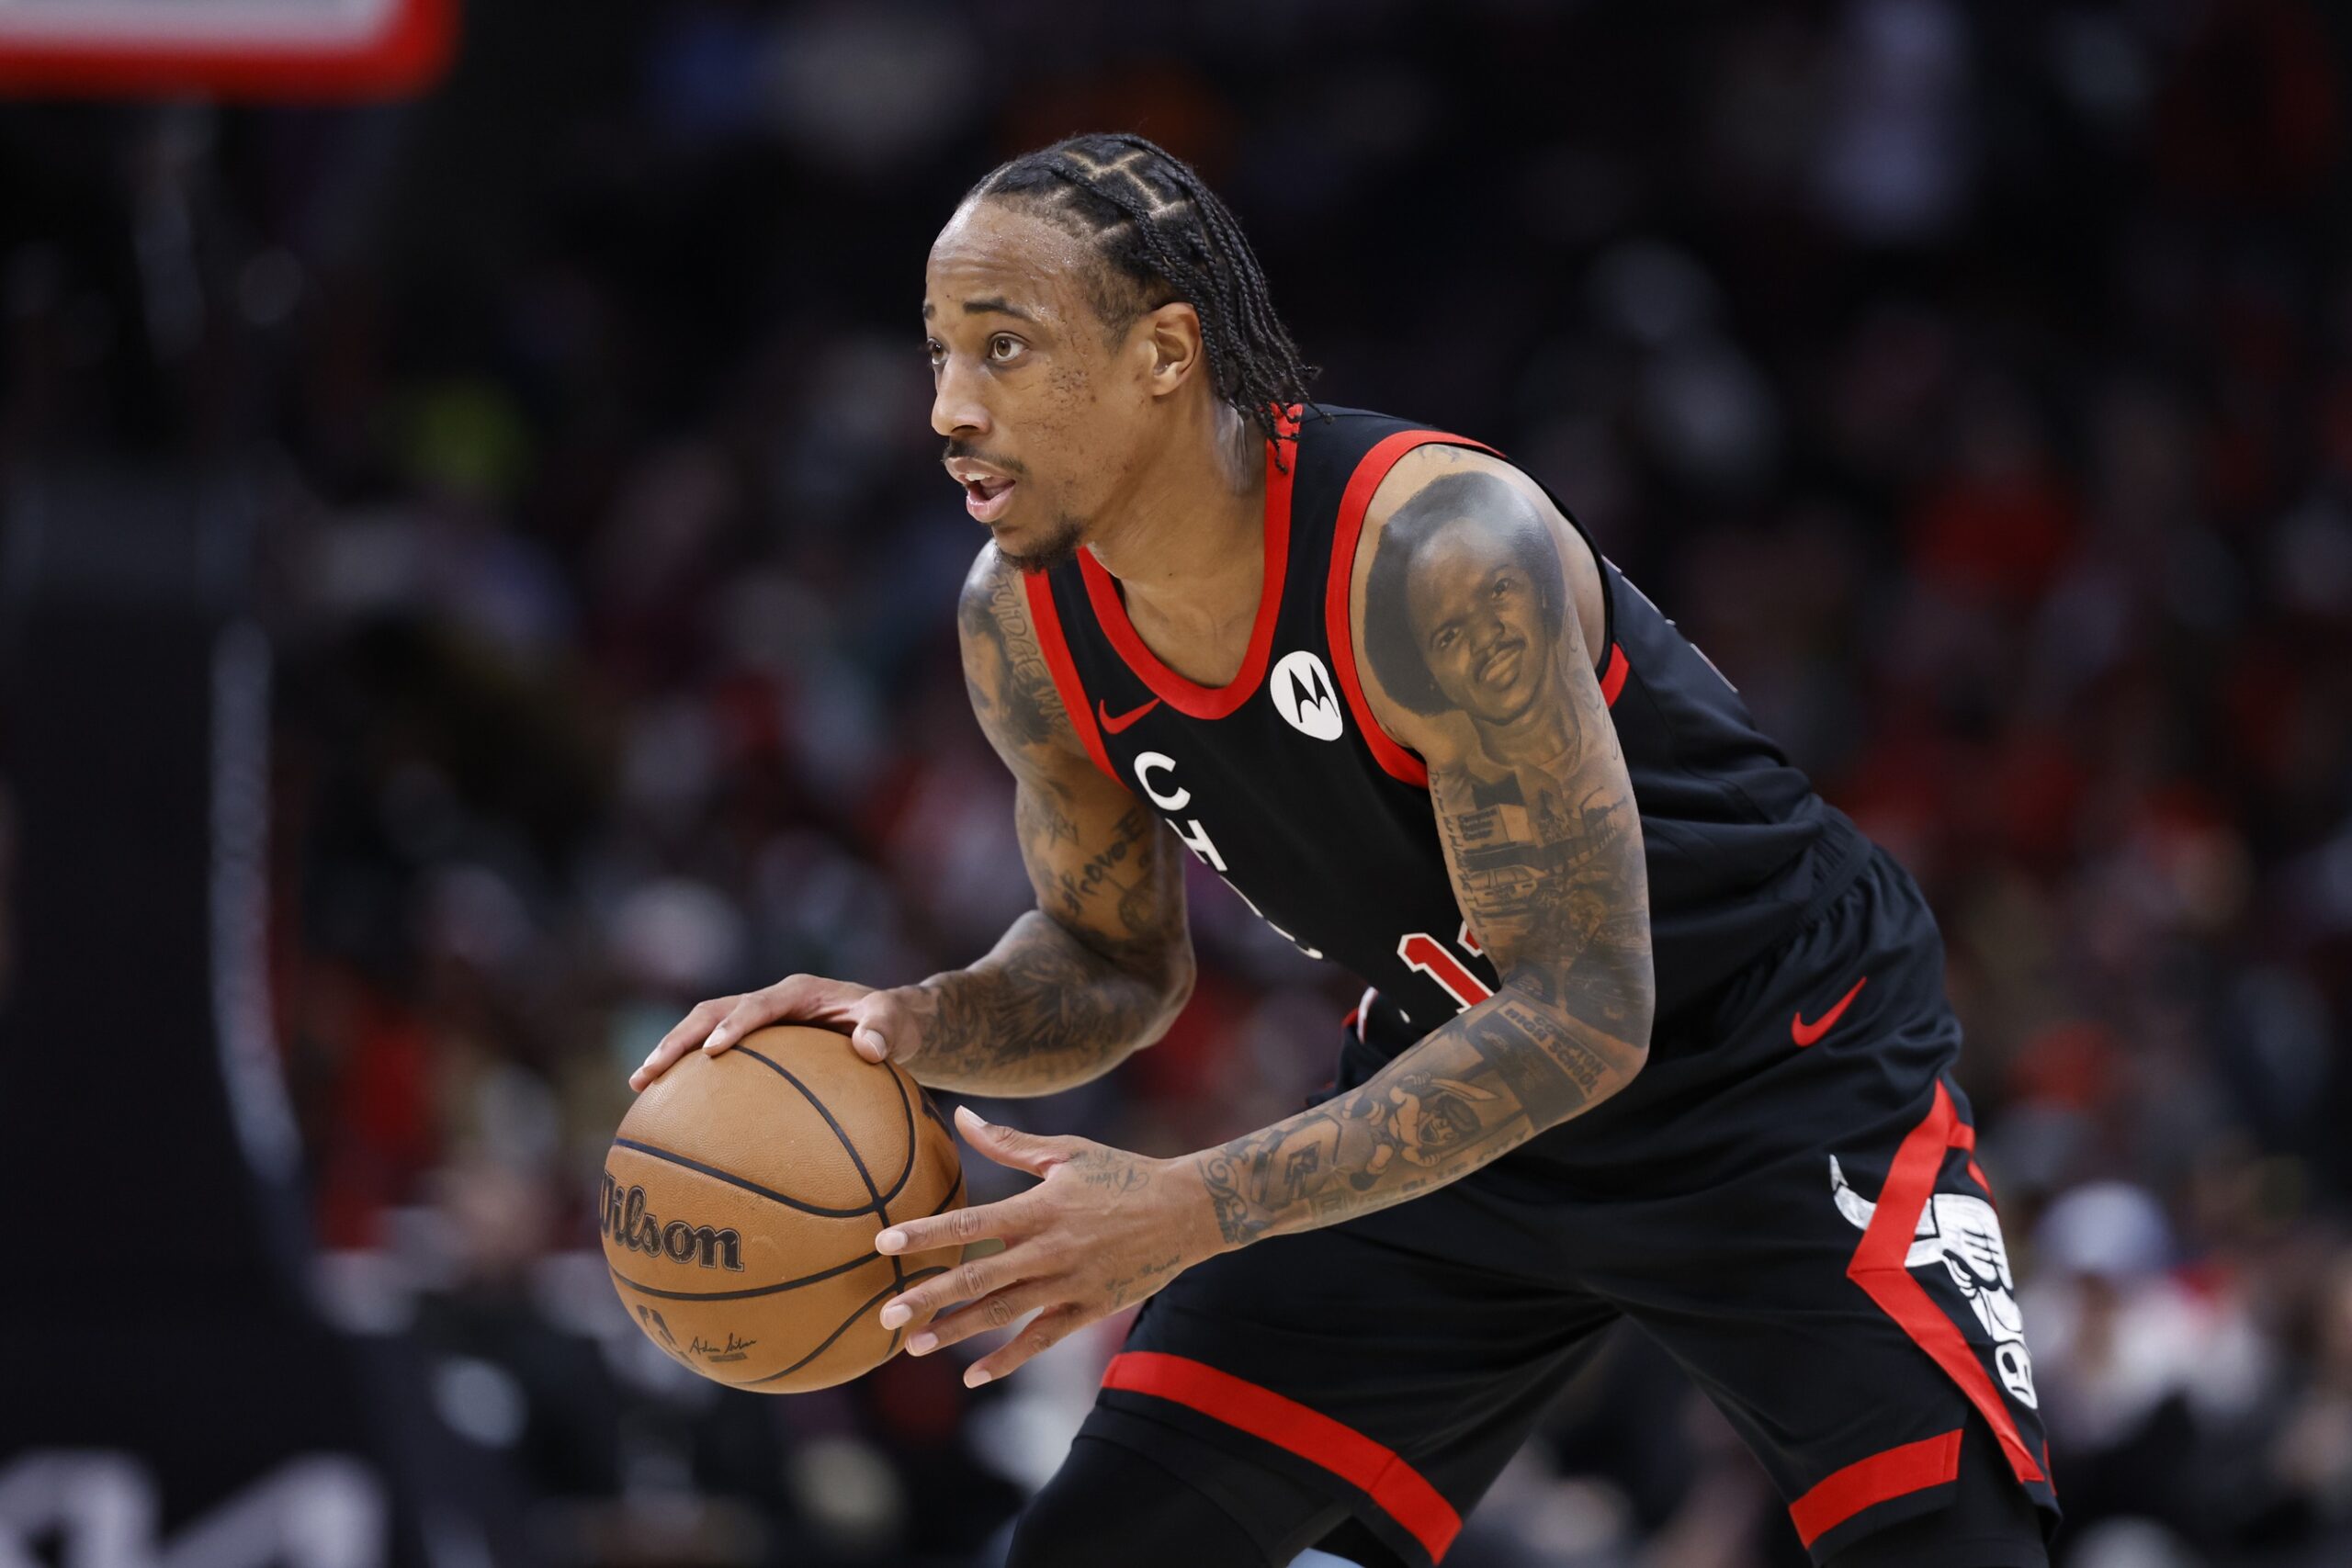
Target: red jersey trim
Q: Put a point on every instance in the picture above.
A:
(1396, 758)
(1883, 1477)
(1056, 647)
(1189, 697)
(1612, 678)
(1878, 1268)
(1397, 1488)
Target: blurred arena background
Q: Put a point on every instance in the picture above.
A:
(474, 579)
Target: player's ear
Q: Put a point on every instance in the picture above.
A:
(1173, 332)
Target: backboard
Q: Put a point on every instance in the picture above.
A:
(297, 49)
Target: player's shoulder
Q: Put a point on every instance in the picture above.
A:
(1473, 484)
(1423, 454)
(1439, 490)
(980, 580)
(1006, 671)
(993, 602)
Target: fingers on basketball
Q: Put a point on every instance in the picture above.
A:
(799, 998)
(684, 1035)
(879, 1029)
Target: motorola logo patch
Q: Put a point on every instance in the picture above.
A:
(1308, 701)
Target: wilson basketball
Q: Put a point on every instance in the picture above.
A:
(740, 1200)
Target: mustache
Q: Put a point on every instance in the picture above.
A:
(1503, 645)
(965, 449)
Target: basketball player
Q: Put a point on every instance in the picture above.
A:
(1652, 1033)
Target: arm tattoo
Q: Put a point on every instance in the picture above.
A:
(1467, 623)
(1004, 669)
(1103, 964)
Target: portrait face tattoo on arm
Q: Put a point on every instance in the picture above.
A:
(1464, 602)
(1466, 618)
(1469, 631)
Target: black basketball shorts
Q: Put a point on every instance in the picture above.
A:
(1790, 1207)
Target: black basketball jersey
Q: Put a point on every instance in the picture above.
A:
(1285, 784)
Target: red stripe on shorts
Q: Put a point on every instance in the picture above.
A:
(1896, 1473)
(1400, 1491)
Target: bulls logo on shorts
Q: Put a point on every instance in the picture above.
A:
(1963, 1234)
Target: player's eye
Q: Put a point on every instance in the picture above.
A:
(1003, 347)
(1502, 586)
(935, 351)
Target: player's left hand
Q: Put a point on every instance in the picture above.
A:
(1103, 1230)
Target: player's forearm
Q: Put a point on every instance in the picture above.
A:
(1470, 1092)
(1043, 1013)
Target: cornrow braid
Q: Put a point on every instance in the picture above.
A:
(1163, 236)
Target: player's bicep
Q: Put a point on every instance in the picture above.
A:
(1474, 650)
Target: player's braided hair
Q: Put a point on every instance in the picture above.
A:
(1163, 235)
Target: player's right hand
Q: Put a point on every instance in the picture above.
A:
(879, 1024)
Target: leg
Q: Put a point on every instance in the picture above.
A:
(1111, 1503)
(1382, 1371)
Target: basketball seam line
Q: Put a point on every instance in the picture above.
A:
(881, 1210)
(855, 1312)
(752, 1187)
(906, 1109)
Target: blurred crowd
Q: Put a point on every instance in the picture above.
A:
(1972, 382)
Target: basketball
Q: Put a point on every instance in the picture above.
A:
(741, 1196)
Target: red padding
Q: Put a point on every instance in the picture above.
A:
(1397, 1487)
(408, 55)
(1878, 1268)
(1914, 1467)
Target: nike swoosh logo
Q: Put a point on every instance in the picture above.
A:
(1805, 1033)
(1125, 719)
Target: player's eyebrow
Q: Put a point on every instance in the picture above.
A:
(996, 304)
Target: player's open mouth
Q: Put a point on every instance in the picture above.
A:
(986, 499)
(1500, 667)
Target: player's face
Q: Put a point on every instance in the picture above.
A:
(1477, 613)
(1040, 408)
